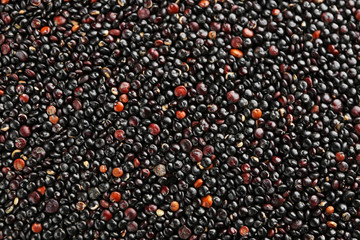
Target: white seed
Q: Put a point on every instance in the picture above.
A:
(160, 170)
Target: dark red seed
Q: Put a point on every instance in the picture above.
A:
(208, 150)
(196, 155)
(154, 129)
(274, 51)
(248, 33)
(5, 49)
(236, 42)
(158, 43)
(77, 105)
(34, 197)
(145, 173)
(143, 13)
(337, 105)
(6, 18)
(355, 111)
(124, 87)
(45, 30)
(226, 27)
(244, 231)
(340, 156)
(297, 224)
(111, 16)
(186, 145)
(30, 73)
(52, 206)
(106, 215)
(246, 177)
(24, 98)
(268, 207)
(180, 91)
(232, 161)
(357, 129)
(22, 55)
(343, 166)
(327, 17)
(275, 11)
(78, 91)
(259, 133)
(335, 184)
(132, 227)
(232, 230)
(104, 204)
(150, 208)
(130, 214)
(184, 232)
(173, 8)
(194, 26)
(276, 160)
(38, 152)
(119, 135)
(215, 26)
(316, 34)
(164, 190)
(20, 143)
(59, 20)
(233, 96)
(25, 131)
(153, 54)
(36, 23)
(35, 2)
(314, 201)
(134, 121)
(357, 14)
(201, 88)
(115, 32)
(245, 167)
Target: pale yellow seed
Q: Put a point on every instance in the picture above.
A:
(9, 209)
(15, 152)
(165, 107)
(81, 206)
(5, 127)
(96, 12)
(121, 2)
(160, 212)
(86, 164)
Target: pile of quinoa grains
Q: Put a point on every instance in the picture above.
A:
(187, 119)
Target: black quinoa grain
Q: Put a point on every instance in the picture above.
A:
(147, 119)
